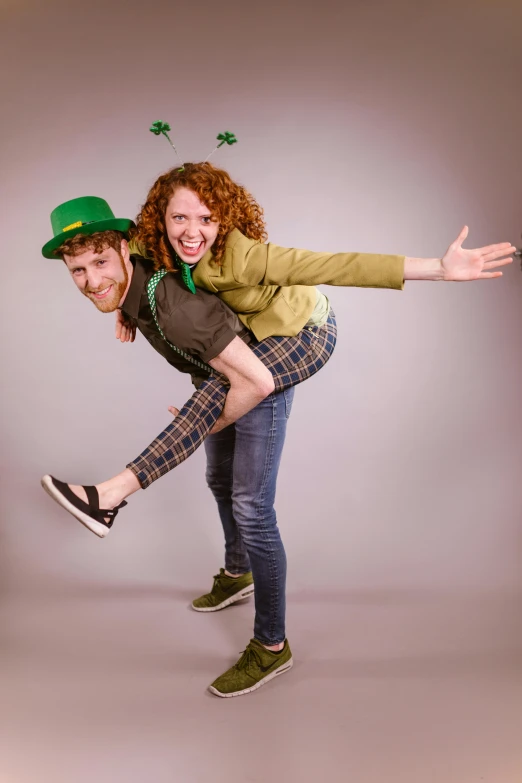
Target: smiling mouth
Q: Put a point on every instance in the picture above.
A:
(191, 248)
(102, 294)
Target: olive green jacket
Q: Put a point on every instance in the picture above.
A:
(271, 288)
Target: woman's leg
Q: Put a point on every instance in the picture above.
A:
(291, 360)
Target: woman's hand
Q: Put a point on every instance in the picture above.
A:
(459, 264)
(125, 329)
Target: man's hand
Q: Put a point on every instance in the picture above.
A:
(459, 264)
(125, 330)
(173, 410)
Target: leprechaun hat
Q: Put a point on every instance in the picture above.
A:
(85, 215)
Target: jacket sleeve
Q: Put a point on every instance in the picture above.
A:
(253, 264)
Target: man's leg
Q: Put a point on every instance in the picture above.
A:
(260, 437)
(234, 582)
(259, 441)
(219, 474)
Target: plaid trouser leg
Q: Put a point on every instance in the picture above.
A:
(291, 360)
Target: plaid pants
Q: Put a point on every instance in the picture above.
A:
(291, 360)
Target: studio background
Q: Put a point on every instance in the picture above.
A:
(379, 127)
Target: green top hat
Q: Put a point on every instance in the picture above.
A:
(85, 215)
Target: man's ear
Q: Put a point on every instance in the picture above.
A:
(125, 249)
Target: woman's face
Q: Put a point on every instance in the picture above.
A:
(190, 228)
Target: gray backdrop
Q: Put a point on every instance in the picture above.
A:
(367, 127)
(362, 126)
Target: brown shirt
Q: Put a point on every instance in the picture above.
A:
(200, 324)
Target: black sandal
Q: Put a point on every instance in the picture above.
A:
(97, 519)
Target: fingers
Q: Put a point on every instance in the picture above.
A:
(507, 247)
(497, 251)
(173, 410)
(125, 333)
(502, 262)
(489, 275)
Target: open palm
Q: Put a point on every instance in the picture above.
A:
(460, 264)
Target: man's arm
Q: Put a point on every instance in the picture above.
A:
(250, 381)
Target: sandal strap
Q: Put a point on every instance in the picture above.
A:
(92, 508)
(87, 508)
(111, 513)
(93, 497)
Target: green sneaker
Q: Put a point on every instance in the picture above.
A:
(226, 590)
(256, 667)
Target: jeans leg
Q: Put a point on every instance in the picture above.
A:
(220, 462)
(259, 440)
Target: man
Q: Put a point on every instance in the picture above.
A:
(91, 242)
(102, 268)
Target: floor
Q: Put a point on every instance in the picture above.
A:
(108, 683)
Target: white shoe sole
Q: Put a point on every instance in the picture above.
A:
(282, 669)
(95, 527)
(244, 593)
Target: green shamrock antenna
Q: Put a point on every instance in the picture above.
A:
(223, 138)
(162, 127)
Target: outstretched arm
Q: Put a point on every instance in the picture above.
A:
(257, 264)
(459, 264)
(253, 264)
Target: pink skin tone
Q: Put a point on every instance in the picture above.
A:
(102, 277)
(190, 227)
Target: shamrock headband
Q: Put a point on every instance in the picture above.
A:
(160, 127)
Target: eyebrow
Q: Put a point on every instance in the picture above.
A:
(182, 214)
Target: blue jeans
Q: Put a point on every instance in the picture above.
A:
(242, 465)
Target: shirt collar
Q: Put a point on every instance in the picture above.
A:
(131, 305)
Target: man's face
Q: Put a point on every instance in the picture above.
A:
(190, 228)
(102, 277)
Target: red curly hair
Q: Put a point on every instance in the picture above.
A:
(228, 202)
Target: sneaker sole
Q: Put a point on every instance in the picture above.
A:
(281, 670)
(244, 593)
(94, 526)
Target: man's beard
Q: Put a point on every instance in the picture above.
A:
(110, 303)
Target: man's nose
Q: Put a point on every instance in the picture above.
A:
(94, 280)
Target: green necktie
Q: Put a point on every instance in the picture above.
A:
(186, 274)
